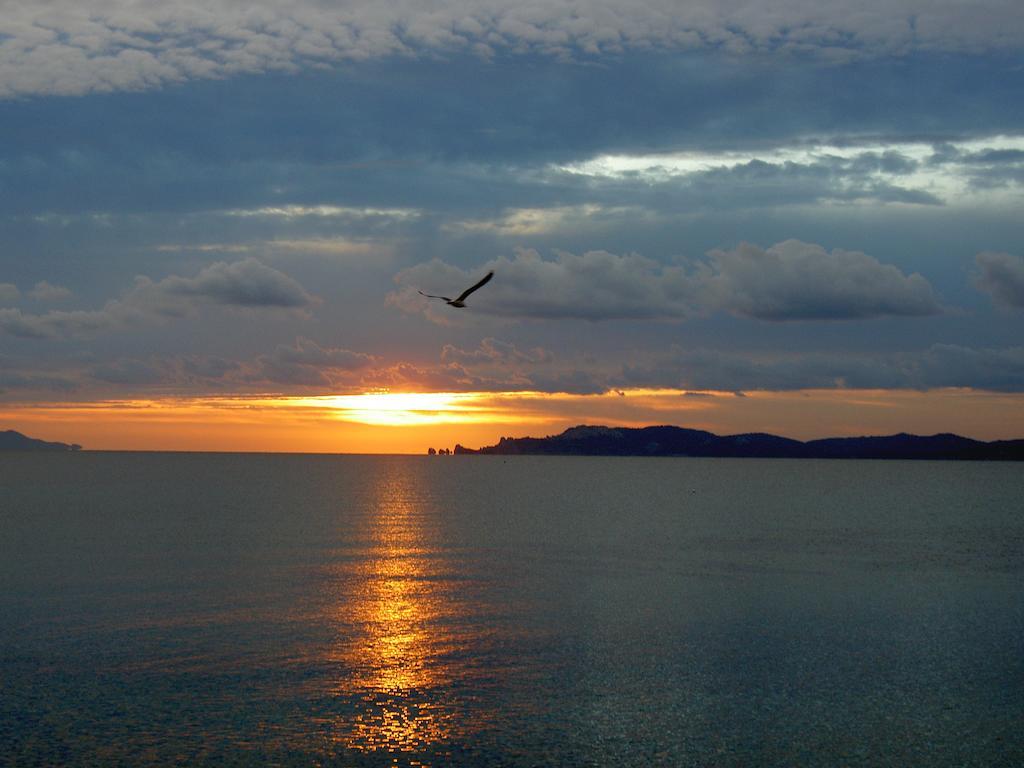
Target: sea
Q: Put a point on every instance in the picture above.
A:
(319, 610)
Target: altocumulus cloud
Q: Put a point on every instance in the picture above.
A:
(67, 47)
(247, 284)
(494, 352)
(306, 363)
(791, 280)
(1001, 275)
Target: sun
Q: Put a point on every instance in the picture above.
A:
(403, 409)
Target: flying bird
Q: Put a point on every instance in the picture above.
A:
(460, 300)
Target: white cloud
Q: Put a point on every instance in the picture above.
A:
(325, 211)
(44, 291)
(521, 222)
(855, 170)
(9, 293)
(67, 47)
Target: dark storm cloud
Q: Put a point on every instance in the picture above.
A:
(246, 284)
(1001, 276)
(789, 281)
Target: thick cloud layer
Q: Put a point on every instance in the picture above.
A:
(306, 363)
(789, 281)
(65, 47)
(247, 284)
(802, 281)
(939, 366)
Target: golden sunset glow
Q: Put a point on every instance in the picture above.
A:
(410, 422)
(401, 409)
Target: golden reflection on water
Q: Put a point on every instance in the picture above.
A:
(398, 603)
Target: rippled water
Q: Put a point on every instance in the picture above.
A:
(318, 610)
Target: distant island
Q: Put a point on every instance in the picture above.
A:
(678, 441)
(15, 441)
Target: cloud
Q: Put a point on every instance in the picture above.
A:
(9, 293)
(11, 381)
(951, 365)
(596, 285)
(63, 47)
(14, 378)
(793, 280)
(494, 351)
(14, 322)
(938, 366)
(43, 291)
(1001, 276)
(789, 281)
(306, 363)
(247, 284)
(129, 372)
(705, 369)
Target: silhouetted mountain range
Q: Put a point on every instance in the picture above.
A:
(15, 441)
(677, 441)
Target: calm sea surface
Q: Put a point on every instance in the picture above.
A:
(524, 611)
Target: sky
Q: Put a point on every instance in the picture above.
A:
(795, 217)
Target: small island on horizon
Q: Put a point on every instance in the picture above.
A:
(587, 440)
(15, 441)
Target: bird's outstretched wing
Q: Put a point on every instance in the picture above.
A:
(429, 296)
(465, 293)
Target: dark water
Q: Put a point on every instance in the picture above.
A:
(315, 610)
